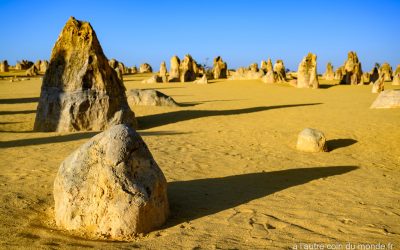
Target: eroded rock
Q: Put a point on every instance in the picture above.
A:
(311, 140)
(149, 97)
(80, 91)
(307, 72)
(387, 99)
(111, 187)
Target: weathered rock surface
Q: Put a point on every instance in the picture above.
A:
(149, 97)
(37, 64)
(329, 74)
(307, 72)
(365, 78)
(23, 65)
(353, 71)
(152, 79)
(187, 73)
(339, 73)
(269, 76)
(374, 75)
(44, 65)
(174, 72)
(253, 67)
(311, 140)
(32, 71)
(263, 66)
(113, 63)
(387, 99)
(386, 72)
(111, 187)
(133, 70)
(162, 74)
(246, 74)
(396, 76)
(4, 67)
(80, 91)
(145, 68)
(379, 85)
(202, 80)
(280, 71)
(219, 68)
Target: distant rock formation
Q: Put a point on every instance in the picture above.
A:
(187, 73)
(246, 74)
(162, 74)
(269, 72)
(379, 85)
(152, 79)
(149, 97)
(32, 71)
(133, 70)
(111, 187)
(119, 67)
(396, 76)
(80, 91)
(339, 73)
(353, 71)
(44, 65)
(123, 68)
(219, 68)
(280, 71)
(145, 68)
(23, 65)
(4, 67)
(113, 63)
(202, 80)
(374, 75)
(329, 74)
(307, 72)
(263, 66)
(174, 72)
(365, 78)
(386, 72)
(253, 67)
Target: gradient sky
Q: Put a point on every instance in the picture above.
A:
(242, 32)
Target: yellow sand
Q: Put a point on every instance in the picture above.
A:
(236, 180)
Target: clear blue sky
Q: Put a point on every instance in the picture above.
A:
(241, 32)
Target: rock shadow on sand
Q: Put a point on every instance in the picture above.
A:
(19, 100)
(152, 121)
(193, 199)
(340, 143)
(17, 112)
(66, 138)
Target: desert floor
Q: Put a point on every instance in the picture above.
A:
(236, 180)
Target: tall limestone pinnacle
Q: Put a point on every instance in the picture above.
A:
(80, 91)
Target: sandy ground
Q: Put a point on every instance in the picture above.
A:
(235, 178)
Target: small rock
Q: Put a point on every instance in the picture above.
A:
(311, 140)
(149, 97)
(152, 79)
(202, 80)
